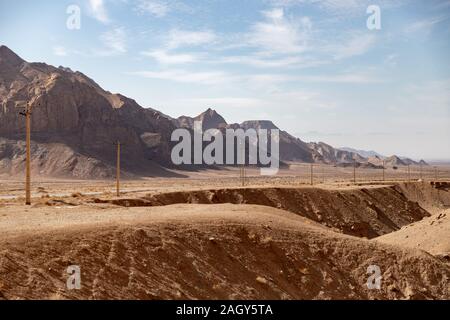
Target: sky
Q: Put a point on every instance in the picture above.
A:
(313, 67)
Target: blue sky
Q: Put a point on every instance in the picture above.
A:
(311, 66)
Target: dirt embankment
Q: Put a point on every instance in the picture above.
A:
(429, 195)
(211, 252)
(364, 212)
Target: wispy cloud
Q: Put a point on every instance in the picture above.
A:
(115, 42)
(226, 102)
(270, 62)
(346, 78)
(341, 7)
(60, 51)
(183, 76)
(180, 38)
(425, 25)
(154, 7)
(357, 44)
(279, 34)
(98, 11)
(164, 57)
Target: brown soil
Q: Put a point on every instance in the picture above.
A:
(204, 251)
(431, 234)
(229, 243)
(362, 212)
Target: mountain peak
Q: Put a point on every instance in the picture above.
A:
(259, 124)
(211, 119)
(7, 56)
(210, 112)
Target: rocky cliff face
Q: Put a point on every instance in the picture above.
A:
(72, 110)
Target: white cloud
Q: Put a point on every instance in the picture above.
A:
(115, 41)
(278, 34)
(165, 57)
(226, 102)
(354, 78)
(154, 7)
(98, 11)
(60, 51)
(183, 76)
(341, 7)
(279, 62)
(425, 25)
(358, 44)
(179, 38)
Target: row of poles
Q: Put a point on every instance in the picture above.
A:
(242, 169)
(244, 179)
(436, 173)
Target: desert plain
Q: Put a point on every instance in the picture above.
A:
(211, 235)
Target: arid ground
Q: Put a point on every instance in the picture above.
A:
(210, 237)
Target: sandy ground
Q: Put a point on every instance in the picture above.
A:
(204, 251)
(325, 176)
(209, 237)
(431, 234)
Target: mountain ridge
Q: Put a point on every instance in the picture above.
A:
(75, 123)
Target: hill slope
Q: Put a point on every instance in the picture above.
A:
(202, 252)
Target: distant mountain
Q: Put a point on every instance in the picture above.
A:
(400, 161)
(363, 153)
(75, 124)
(328, 154)
(377, 158)
(210, 119)
(291, 148)
(409, 161)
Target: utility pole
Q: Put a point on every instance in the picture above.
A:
(118, 169)
(27, 115)
(312, 174)
(28, 156)
(323, 174)
(242, 167)
(242, 174)
(384, 164)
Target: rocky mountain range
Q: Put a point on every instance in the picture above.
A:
(75, 124)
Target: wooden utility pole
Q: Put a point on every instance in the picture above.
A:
(242, 167)
(27, 115)
(118, 170)
(28, 157)
(312, 174)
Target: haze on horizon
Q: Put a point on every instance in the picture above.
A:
(312, 67)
